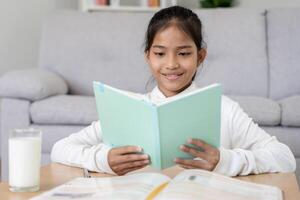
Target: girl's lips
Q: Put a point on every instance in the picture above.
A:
(172, 77)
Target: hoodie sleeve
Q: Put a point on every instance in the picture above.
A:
(83, 149)
(252, 151)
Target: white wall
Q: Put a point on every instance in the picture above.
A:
(20, 28)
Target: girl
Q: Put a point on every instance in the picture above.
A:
(174, 50)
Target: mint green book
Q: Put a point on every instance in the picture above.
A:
(131, 119)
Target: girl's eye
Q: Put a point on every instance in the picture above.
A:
(159, 54)
(185, 53)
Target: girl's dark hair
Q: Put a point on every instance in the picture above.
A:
(184, 18)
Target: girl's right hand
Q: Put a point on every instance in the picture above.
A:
(126, 159)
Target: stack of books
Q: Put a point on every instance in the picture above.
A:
(142, 3)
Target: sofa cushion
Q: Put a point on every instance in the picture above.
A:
(31, 84)
(284, 50)
(64, 109)
(236, 51)
(290, 111)
(262, 110)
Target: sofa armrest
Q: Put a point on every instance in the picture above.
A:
(31, 84)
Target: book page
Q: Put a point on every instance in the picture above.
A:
(200, 184)
(130, 187)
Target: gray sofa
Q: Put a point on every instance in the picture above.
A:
(253, 53)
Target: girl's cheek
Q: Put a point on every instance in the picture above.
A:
(154, 58)
(155, 64)
(190, 64)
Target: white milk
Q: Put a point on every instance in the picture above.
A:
(24, 161)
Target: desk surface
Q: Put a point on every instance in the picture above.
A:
(56, 174)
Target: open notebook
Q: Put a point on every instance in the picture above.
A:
(128, 118)
(187, 185)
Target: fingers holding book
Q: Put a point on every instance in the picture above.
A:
(126, 159)
(206, 156)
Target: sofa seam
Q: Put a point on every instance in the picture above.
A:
(267, 54)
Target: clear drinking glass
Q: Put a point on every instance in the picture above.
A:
(24, 154)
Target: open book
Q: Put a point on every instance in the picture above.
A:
(131, 119)
(188, 185)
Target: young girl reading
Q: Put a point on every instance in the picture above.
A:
(174, 50)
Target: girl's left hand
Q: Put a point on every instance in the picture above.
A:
(209, 155)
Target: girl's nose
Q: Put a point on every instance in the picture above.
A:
(172, 63)
(173, 66)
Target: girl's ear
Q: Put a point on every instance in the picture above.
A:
(201, 56)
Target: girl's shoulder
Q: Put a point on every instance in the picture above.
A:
(227, 100)
(227, 104)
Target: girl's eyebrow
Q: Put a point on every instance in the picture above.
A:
(158, 46)
(179, 47)
(184, 47)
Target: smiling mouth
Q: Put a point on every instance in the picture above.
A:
(172, 77)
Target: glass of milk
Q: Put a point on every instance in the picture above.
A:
(24, 154)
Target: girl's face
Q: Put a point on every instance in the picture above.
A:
(173, 59)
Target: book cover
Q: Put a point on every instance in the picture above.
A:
(131, 119)
(153, 3)
(102, 2)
